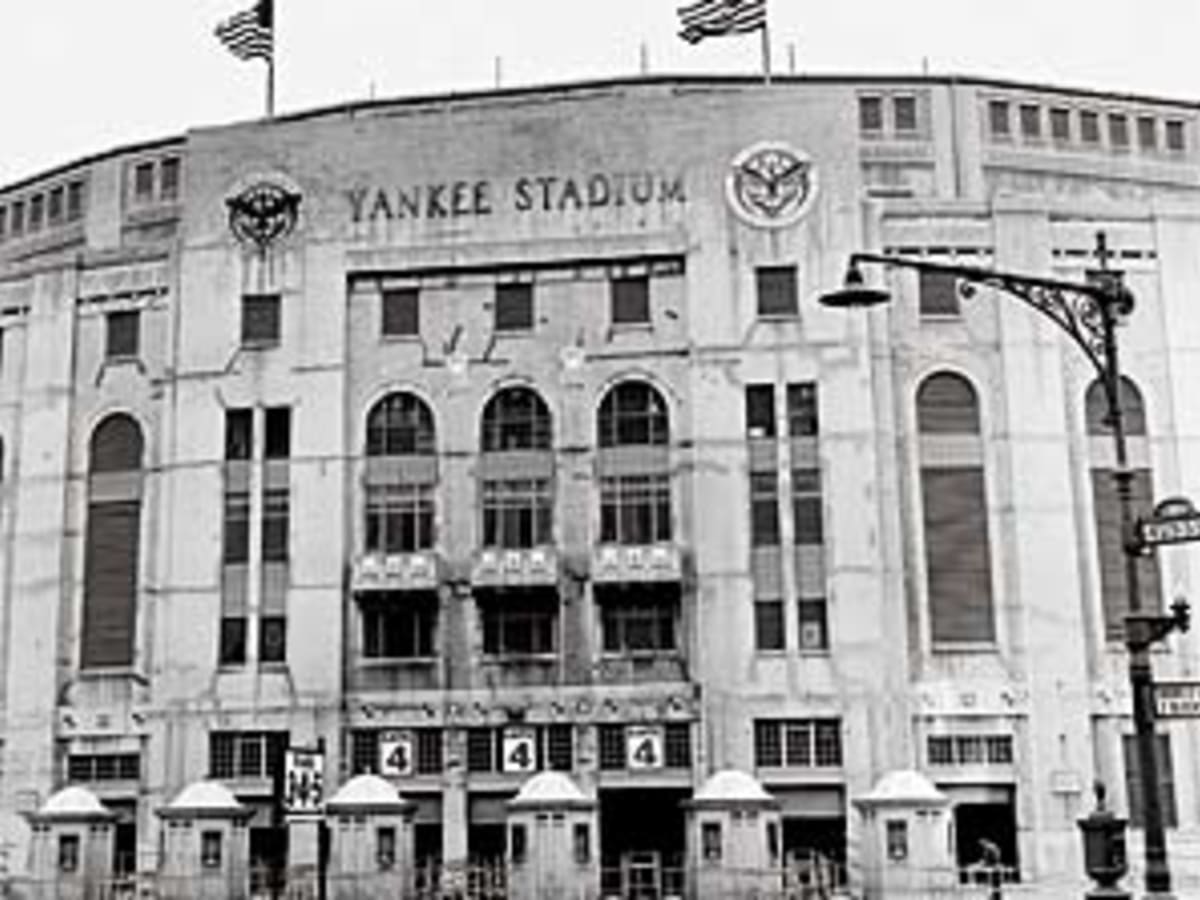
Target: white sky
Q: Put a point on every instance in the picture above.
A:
(82, 76)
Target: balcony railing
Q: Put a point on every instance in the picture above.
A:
(396, 572)
(497, 567)
(616, 563)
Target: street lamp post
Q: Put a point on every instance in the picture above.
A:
(1089, 313)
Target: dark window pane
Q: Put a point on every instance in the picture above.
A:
(18, 218)
(169, 180)
(612, 746)
(260, 319)
(764, 509)
(1089, 127)
(278, 437)
(1147, 129)
(768, 625)
(276, 515)
(233, 641)
(236, 544)
(802, 409)
(514, 307)
(429, 751)
(116, 445)
(1060, 124)
(998, 118)
(814, 634)
(1175, 139)
(633, 412)
(1031, 120)
(121, 334)
(1118, 130)
(272, 639)
(957, 554)
(54, 211)
(630, 300)
(870, 114)
(239, 433)
(946, 405)
(768, 748)
(560, 747)
(401, 312)
(938, 294)
(74, 201)
(905, 111)
(807, 514)
(760, 411)
(143, 182)
(776, 290)
(400, 425)
(364, 751)
(516, 419)
(677, 745)
(37, 206)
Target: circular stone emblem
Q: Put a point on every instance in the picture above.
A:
(771, 185)
(262, 213)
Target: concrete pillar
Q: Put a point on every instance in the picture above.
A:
(71, 851)
(206, 845)
(553, 841)
(370, 842)
(733, 838)
(907, 839)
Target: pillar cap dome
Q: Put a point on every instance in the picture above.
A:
(205, 799)
(732, 787)
(368, 793)
(73, 804)
(550, 789)
(904, 787)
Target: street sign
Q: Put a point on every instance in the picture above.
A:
(1177, 699)
(1175, 521)
(303, 781)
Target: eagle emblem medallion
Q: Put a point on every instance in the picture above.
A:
(771, 185)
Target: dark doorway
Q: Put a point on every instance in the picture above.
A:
(817, 843)
(268, 859)
(642, 842)
(485, 843)
(978, 828)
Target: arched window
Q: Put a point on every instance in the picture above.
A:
(111, 555)
(635, 480)
(954, 505)
(401, 471)
(517, 470)
(1114, 588)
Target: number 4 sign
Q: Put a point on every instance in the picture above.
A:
(520, 750)
(396, 753)
(644, 747)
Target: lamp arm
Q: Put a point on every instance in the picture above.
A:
(1086, 312)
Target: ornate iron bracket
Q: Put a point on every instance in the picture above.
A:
(1144, 630)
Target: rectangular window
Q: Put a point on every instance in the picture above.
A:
(760, 411)
(1060, 125)
(277, 440)
(168, 188)
(764, 509)
(74, 201)
(969, 750)
(611, 739)
(210, 849)
(1089, 127)
(807, 514)
(998, 121)
(814, 628)
(89, 767)
(710, 839)
(3, 222)
(54, 208)
(940, 750)
(232, 651)
(37, 207)
(904, 111)
(1118, 131)
(637, 624)
(677, 745)
(938, 294)
(385, 848)
(581, 842)
(519, 624)
(560, 747)
(517, 843)
(245, 754)
(239, 433)
(798, 743)
(18, 218)
(481, 750)
(870, 115)
(1166, 781)
(1174, 134)
(68, 852)
(260, 320)
(429, 751)
(401, 312)
(514, 307)
(776, 291)
(1147, 130)
(769, 625)
(237, 528)
(897, 840)
(121, 334)
(272, 639)
(399, 518)
(630, 296)
(1031, 120)
(399, 627)
(517, 513)
(803, 420)
(143, 182)
(276, 518)
(635, 509)
(364, 751)
(958, 556)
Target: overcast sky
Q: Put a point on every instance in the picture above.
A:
(82, 76)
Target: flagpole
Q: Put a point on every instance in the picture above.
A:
(271, 85)
(766, 53)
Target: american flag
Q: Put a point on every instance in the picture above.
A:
(250, 33)
(713, 18)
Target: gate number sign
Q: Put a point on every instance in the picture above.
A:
(303, 781)
(644, 747)
(519, 746)
(396, 753)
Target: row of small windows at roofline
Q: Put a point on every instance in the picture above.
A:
(1116, 130)
(42, 211)
(894, 115)
(153, 181)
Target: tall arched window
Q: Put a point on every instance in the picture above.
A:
(1114, 590)
(954, 505)
(401, 472)
(633, 430)
(517, 470)
(111, 555)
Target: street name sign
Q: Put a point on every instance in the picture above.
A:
(1175, 521)
(1177, 699)
(303, 782)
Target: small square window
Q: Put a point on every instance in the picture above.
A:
(776, 290)
(870, 115)
(168, 188)
(401, 312)
(143, 182)
(630, 300)
(1060, 124)
(122, 334)
(1118, 130)
(904, 109)
(938, 294)
(514, 307)
(940, 750)
(1174, 129)
(1147, 130)
(1089, 127)
(37, 207)
(998, 118)
(232, 651)
(260, 320)
(1031, 120)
